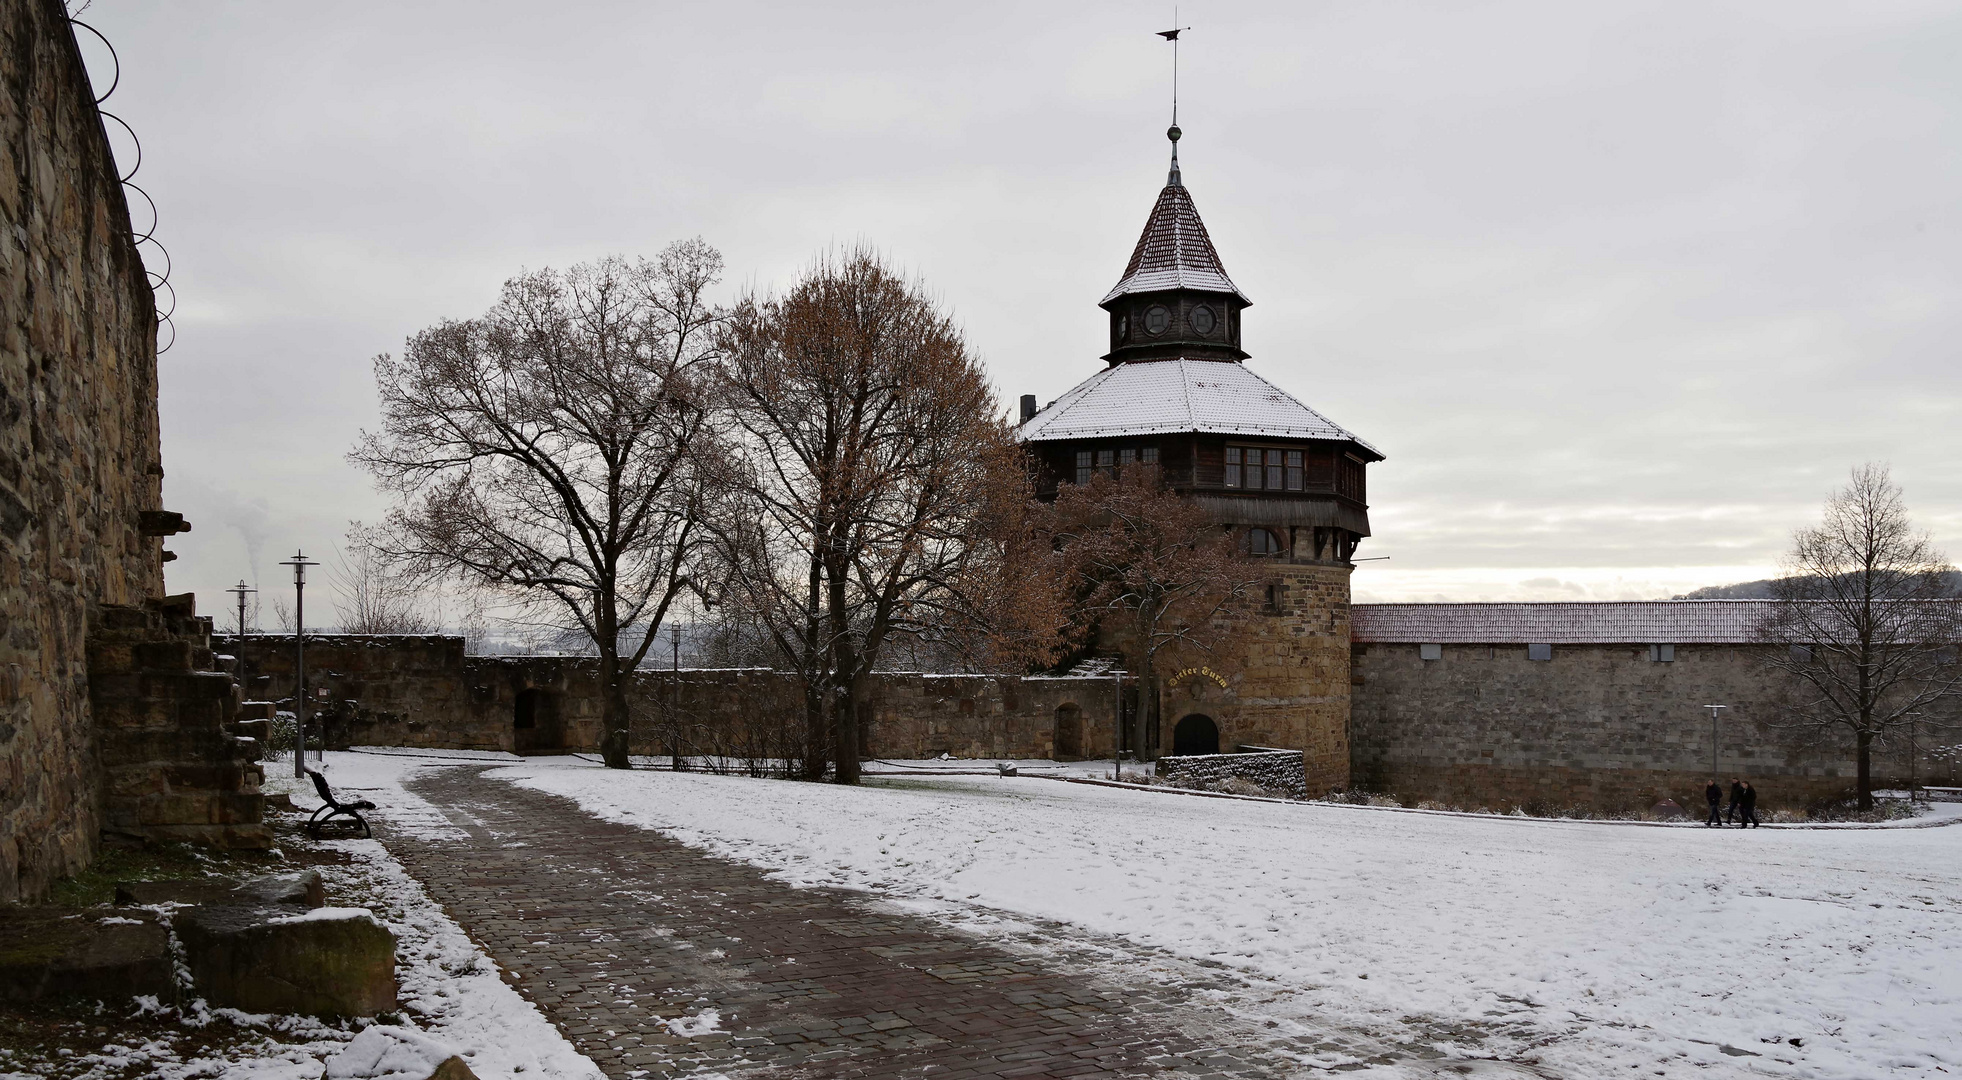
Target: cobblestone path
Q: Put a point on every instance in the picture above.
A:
(628, 940)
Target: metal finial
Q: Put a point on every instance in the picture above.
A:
(1173, 132)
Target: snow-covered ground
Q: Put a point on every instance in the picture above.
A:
(1597, 949)
(452, 1000)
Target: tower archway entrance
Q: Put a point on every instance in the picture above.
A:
(1195, 734)
(535, 724)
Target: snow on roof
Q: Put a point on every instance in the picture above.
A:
(1174, 252)
(1161, 397)
(1659, 622)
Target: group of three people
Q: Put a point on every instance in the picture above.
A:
(1743, 803)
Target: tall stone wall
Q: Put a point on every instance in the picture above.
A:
(423, 691)
(1597, 726)
(79, 461)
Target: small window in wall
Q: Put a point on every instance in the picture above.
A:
(1106, 461)
(1539, 652)
(1662, 654)
(1430, 652)
(1232, 466)
(1264, 542)
(1083, 466)
(1801, 654)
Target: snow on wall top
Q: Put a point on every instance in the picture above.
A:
(1660, 622)
(1174, 252)
(1162, 397)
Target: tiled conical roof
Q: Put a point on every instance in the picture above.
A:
(1174, 396)
(1174, 252)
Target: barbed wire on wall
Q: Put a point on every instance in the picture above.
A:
(159, 282)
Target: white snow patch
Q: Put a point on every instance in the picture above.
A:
(1617, 949)
(387, 1050)
(325, 914)
(700, 1023)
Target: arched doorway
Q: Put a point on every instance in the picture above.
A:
(1069, 733)
(1195, 734)
(535, 723)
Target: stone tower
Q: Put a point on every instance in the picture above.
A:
(1286, 480)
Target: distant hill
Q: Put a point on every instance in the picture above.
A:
(1761, 590)
(1747, 590)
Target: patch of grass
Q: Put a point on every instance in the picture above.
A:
(153, 862)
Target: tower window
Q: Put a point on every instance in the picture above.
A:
(1156, 319)
(1430, 652)
(1539, 652)
(1090, 462)
(1202, 319)
(1263, 542)
(1662, 654)
(1256, 469)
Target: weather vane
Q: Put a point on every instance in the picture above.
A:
(1173, 132)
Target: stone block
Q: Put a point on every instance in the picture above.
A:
(327, 962)
(301, 891)
(49, 953)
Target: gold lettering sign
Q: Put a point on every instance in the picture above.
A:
(1203, 672)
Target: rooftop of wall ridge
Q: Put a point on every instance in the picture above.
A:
(1642, 622)
(1678, 622)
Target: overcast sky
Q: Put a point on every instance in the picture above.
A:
(1622, 291)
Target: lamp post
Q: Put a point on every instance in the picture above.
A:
(240, 590)
(1714, 710)
(299, 562)
(674, 700)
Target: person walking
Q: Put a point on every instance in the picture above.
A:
(1715, 795)
(1750, 806)
(1736, 810)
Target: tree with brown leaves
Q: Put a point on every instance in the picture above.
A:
(553, 451)
(1148, 569)
(1867, 622)
(870, 464)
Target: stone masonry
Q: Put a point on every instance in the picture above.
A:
(1287, 681)
(79, 461)
(80, 486)
(401, 690)
(1597, 726)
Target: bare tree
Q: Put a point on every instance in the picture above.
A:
(871, 450)
(373, 598)
(552, 451)
(1867, 620)
(1150, 571)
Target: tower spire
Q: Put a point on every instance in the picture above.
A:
(1173, 132)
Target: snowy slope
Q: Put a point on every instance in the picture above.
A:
(1629, 950)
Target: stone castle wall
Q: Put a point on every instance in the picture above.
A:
(79, 461)
(1598, 726)
(391, 690)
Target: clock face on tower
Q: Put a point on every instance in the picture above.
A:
(1202, 320)
(1156, 319)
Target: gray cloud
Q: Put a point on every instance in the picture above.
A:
(1622, 292)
